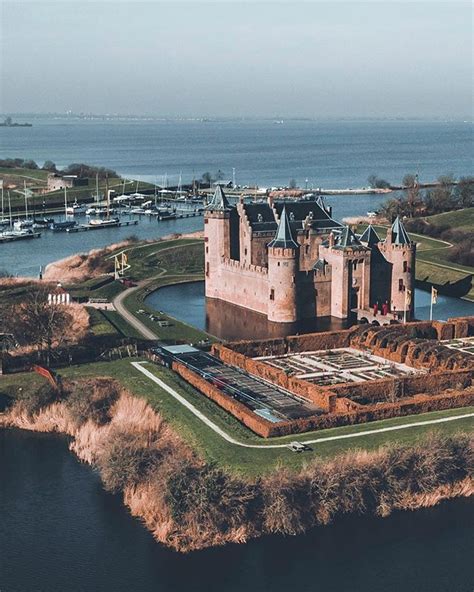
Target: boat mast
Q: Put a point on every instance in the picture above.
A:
(107, 195)
(156, 181)
(10, 209)
(65, 202)
(97, 188)
(26, 201)
(3, 210)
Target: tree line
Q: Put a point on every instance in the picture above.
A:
(75, 168)
(446, 196)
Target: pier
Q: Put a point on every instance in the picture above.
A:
(86, 227)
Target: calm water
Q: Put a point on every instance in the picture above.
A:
(60, 532)
(328, 154)
(187, 302)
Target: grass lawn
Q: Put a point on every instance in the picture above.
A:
(460, 219)
(212, 447)
(177, 331)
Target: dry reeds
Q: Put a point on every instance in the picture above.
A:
(190, 504)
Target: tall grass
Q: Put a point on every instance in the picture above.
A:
(189, 504)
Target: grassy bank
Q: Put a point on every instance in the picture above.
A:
(188, 503)
(211, 446)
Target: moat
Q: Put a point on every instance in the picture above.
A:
(61, 531)
(187, 303)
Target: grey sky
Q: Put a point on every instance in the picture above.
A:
(244, 59)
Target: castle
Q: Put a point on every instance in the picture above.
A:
(290, 261)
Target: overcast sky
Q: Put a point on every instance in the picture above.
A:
(313, 59)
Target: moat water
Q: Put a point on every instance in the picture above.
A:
(60, 532)
(187, 303)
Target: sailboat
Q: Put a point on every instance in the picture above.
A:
(3, 221)
(65, 224)
(107, 221)
(27, 222)
(94, 209)
(15, 234)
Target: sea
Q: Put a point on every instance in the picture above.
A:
(316, 154)
(59, 530)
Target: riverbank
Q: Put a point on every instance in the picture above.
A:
(188, 503)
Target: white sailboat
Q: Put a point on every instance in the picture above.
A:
(26, 222)
(3, 220)
(67, 222)
(107, 221)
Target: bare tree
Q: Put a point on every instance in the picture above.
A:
(39, 323)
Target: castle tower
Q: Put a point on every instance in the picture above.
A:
(216, 238)
(400, 251)
(350, 263)
(283, 254)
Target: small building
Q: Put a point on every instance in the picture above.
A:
(57, 181)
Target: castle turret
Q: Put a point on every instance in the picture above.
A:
(216, 238)
(350, 263)
(282, 270)
(400, 251)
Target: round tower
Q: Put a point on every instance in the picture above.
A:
(400, 251)
(283, 259)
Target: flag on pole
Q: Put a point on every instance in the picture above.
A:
(434, 295)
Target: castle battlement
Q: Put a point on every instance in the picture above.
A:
(248, 267)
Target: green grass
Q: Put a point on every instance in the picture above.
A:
(176, 257)
(213, 448)
(458, 220)
(177, 331)
(99, 324)
(120, 324)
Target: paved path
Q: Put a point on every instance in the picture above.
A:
(131, 318)
(228, 438)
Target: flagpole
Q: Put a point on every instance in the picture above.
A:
(405, 307)
(431, 304)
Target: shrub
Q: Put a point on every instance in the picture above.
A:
(206, 493)
(126, 460)
(33, 401)
(92, 400)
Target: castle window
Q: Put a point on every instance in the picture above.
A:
(400, 285)
(278, 264)
(207, 269)
(206, 220)
(207, 249)
(272, 294)
(405, 266)
(354, 264)
(306, 249)
(245, 252)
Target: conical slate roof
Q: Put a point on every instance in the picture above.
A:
(369, 236)
(347, 239)
(219, 200)
(399, 234)
(284, 237)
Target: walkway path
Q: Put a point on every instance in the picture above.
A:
(131, 318)
(231, 440)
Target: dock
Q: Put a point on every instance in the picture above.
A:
(86, 227)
